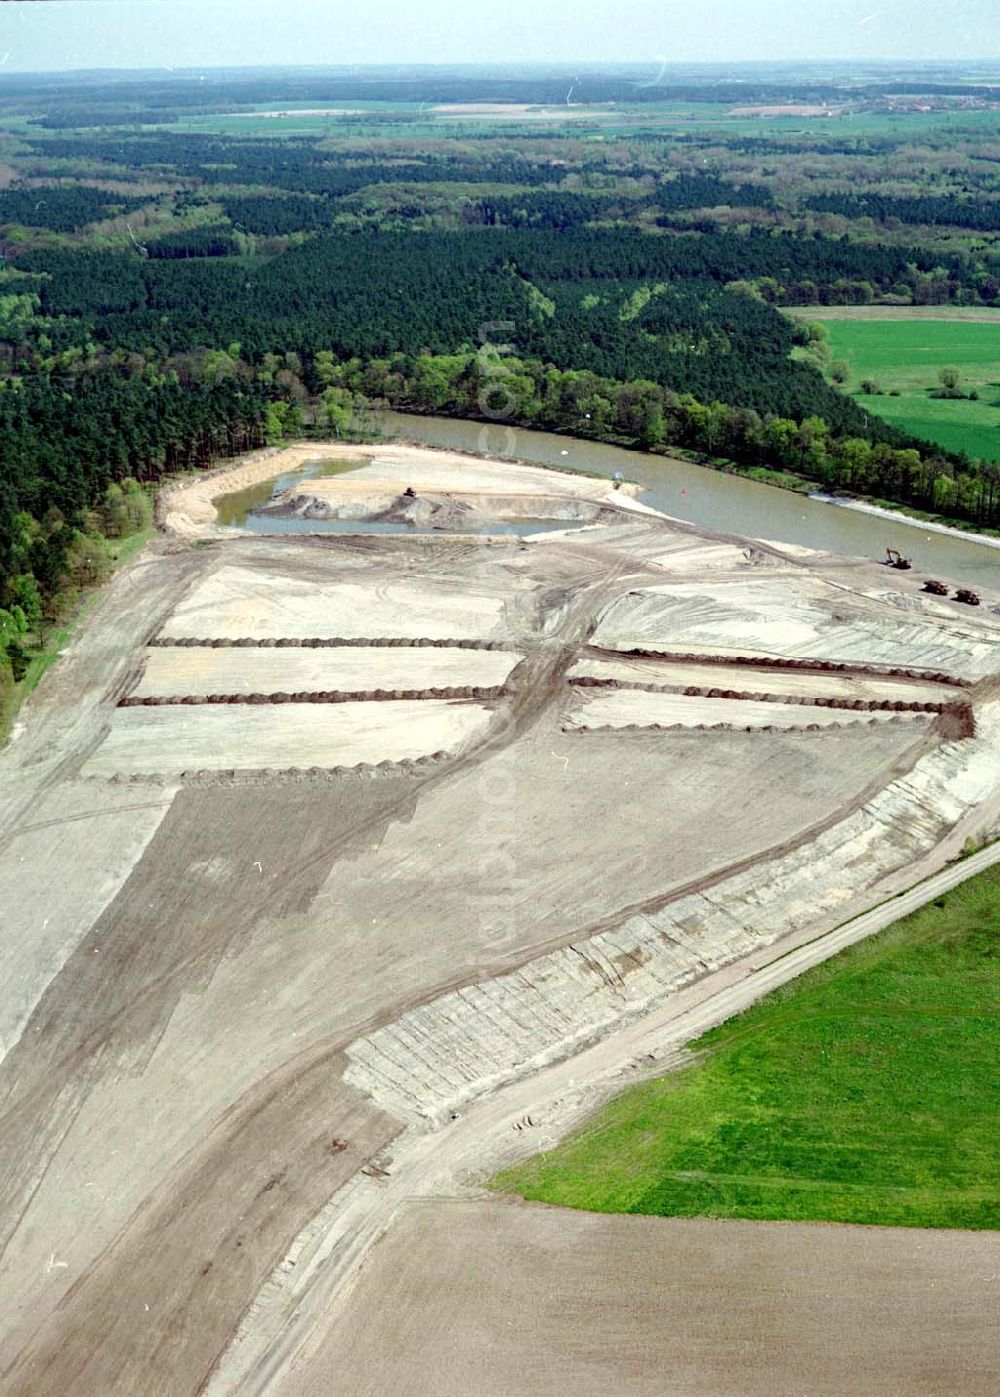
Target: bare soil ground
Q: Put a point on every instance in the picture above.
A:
(173, 672)
(745, 679)
(283, 737)
(787, 109)
(394, 468)
(188, 508)
(180, 1098)
(808, 618)
(454, 493)
(497, 1299)
(623, 708)
(518, 111)
(234, 603)
(76, 825)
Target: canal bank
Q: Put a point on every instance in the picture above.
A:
(722, 502)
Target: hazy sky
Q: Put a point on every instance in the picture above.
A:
(193, 33)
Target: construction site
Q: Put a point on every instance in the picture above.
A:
(366, 863)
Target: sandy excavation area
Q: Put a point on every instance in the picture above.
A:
(396, 468)
(806, 618)
(289, 737)
(745, 679)
(626, 708)
(75, 824)
(493, 489)
(235, 603)
(254, 956)
(177, 671)
(494, 1299)
(454, 492)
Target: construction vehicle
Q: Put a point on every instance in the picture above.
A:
(895, 559)
(938, 588)
(970, 598)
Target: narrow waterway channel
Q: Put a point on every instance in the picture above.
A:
(728, 503)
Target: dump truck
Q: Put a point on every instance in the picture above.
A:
(970, 598)
(938, 588)
(895, 559)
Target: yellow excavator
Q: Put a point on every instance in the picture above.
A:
(895, 559)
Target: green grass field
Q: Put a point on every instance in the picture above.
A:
(863, 1092)
(907, 355)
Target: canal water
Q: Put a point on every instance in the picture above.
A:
(727, 503)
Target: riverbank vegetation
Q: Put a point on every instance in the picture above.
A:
(72, 446)
(860, 1093)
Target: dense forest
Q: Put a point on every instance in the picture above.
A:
(215, 240)
(64, 208)
(690, 313)
(373, 292)
(960, 212)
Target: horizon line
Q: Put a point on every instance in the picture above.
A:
(494, 64)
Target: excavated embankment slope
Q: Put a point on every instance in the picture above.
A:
(437, 1056)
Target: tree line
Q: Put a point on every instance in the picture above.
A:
(647, 414)
(74, 457)
(950, 209)
(86, 103)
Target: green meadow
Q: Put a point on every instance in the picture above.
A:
(862, 1092)
(905, 357)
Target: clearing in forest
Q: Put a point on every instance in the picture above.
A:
(906, 357)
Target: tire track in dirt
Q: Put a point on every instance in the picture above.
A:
(164, 936)
(165, 932)
(167, 1293)
(560, 1096)
(64, 722)
(925, 743)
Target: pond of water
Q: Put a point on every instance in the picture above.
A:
(244, 509)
